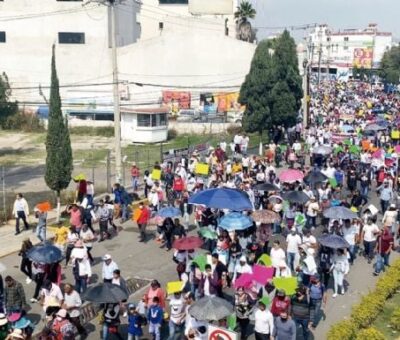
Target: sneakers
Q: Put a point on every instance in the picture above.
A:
(334, 295)
(28, 280)
(33, 300)
(125, 314)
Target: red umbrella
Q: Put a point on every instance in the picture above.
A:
(291, 175)
(188, 243)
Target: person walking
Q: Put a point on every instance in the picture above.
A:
(135, 174)
(243, 309)
(143, 218)
(263, 323)
(300, 309)
(155, 316)
(177, 316)
(26, 263)
(369, 235)
(72, 304)
(384, 246)
(103, 215)
(317, 295)
(340, 268)
(14, 295)
(41, 225)
(20, 211)
(385, 195)
(38, 271)
(284, 327)
(109, 266)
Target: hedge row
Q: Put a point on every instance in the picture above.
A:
(365, 313)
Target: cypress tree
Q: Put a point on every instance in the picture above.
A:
(59, 162)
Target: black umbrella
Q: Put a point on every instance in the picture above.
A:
(266, 187)
(105, 293)
(210, 309)
(315, 177)
(46, 253)
(340, 213)
(296, 197)
(333, 241)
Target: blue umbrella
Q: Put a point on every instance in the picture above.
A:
(46, 253)
(235, 221)
(333, 241)
(169, 212)
(222, 198)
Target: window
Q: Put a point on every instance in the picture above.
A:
(2, 37)
(143, 120)
(71, 38)
(328, 39)
(167, 2)
(346, 38)
(163, 119)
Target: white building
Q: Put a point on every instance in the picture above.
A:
(341, 52)
(81, 32)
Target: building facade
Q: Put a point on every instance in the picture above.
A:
(341, 53)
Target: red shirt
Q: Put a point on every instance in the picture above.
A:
(384, 241)
(144, 216)
(178, 184)
(278, 306)
(135, 171)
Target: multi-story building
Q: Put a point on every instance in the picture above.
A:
(341, 52)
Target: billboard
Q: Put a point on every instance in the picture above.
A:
(363, 58)
(211, 7)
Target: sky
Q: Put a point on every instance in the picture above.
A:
(338, 14)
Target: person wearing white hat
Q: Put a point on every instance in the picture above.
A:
(241, 268)
(108, 268)
(62, 326)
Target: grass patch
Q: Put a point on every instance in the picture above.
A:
(101, 131)
(382, 323)
(90, 157)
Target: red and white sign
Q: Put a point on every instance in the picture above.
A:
(220, 333)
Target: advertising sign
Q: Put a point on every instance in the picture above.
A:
(363, 58)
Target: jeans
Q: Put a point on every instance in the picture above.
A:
(133, 337)
(41, 232)
(315, 310)
(369, 249)
(382, 260)
(154, 330)
(26, 267)
(243, 326)
(352, 253)
(21, 215)
(290, 259)
(338, 277)
(262, 336)
(39, 278)
(81, 284)
(304, 326)
(142, 229)
(174, 328)
(364, 191)
(311, 221)
(384, 205)
(135, 182)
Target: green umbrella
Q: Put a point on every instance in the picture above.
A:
(347, 142)
(354, 149)
(265, 300)
(231, 322)
(338, 149)
(207, 233)
(201, 261)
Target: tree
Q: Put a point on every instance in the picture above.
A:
(7, 107)
(59, 163)
(272, 89)
(244, 12)
(390, 66)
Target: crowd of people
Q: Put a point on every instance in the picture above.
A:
(345, 160)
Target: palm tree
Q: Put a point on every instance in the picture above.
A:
(245, 11)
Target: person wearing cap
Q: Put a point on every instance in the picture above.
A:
(4, 326)
(263, 322)
(62, 327)
(317, 295)
(108, 268)
(390, 218)
(135, 322)
(241, 267)
(14, 295)
(72, 304)
(20, 211)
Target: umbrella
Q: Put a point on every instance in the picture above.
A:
(222, 198)
(187, 243)
(208, 233)
(266, 216)
(235, 221)
(374, 127)
(322, 150)
(333, 241)
(43, 206)
(296, 197)
(340, 212)
(210, 309)
(266, 187)
(169, 212)
(291, 176)
(315, 177)
(46, 253)
(105, 293)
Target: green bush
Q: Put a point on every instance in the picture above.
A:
(23, 122)
(343, 330)
(395, 319)
(99, 131)
(370, 333)
(368, 309)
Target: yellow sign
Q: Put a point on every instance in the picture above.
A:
(174, 287)
(202, 169)
(156, 175)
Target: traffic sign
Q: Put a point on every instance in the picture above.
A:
(220, 333)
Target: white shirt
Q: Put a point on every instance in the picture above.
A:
(293, 243)
(312, 209)
(309, 241)
(277, 256)
(73, 300)
(107, 271)
(369, 230)
(349, 234)
(87, 235)
(264, 322)
(54, 292)
(177, 310)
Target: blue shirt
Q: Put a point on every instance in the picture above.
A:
(155, 314)
(135, 325)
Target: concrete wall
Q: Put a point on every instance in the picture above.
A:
(199, 128)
